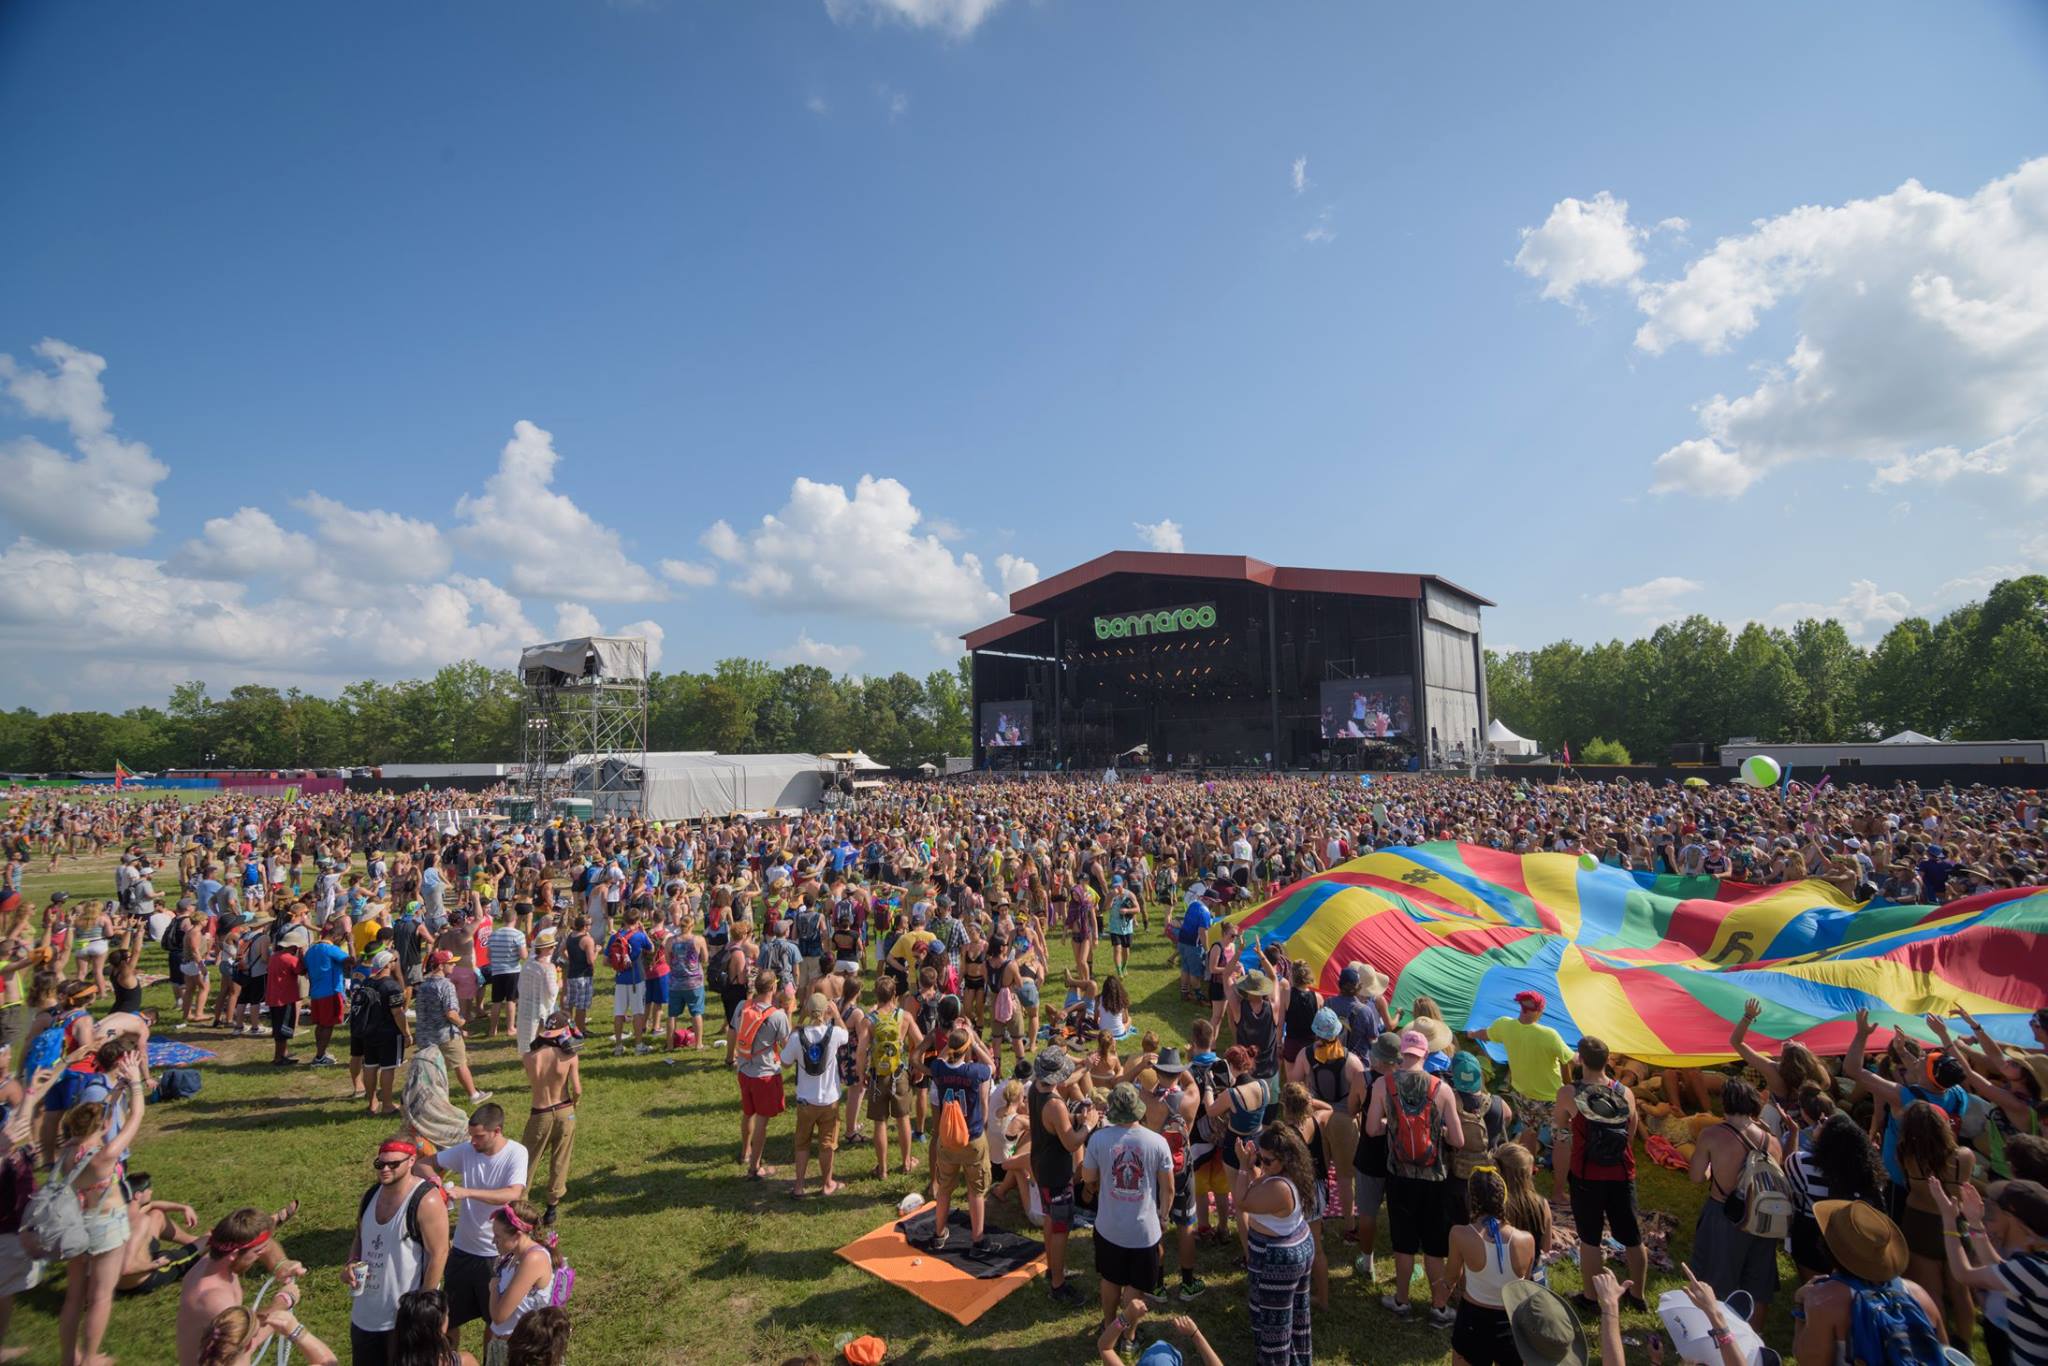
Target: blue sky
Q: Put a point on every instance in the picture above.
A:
(278, 284)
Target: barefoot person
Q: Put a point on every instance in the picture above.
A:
(242, 1242)
(401, 1245)
(758, 1035)
(88, 1160)
(557, 1075)
(814, 1051)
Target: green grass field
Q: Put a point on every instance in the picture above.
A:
(679, 1260)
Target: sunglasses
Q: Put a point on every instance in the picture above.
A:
(384, 1166)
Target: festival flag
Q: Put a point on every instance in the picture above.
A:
(120, 774)
(1659, 965)
(1567, 753)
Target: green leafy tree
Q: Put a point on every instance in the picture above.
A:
(1599, 751)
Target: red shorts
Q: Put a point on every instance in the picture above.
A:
(327, 1010)
(761, 1096)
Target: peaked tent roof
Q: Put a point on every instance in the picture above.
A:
(1498, 732)
(1909, 737)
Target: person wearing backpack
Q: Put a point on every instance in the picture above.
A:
(1748, 1209)
(80, 1215)
(960, 1080)
(400, 1245)
(1331, 1072)
(625, 951)
(1485, 1117)
(882, 1055)
(1594, 1120)
(757, 1038)
(814, 1051)
(1418, 1115)
(1867, 1313)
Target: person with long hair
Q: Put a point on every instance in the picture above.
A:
(524, 1276)
(1113, 1007)
(237, 1337)
(1524, 1206)
(541, 1339)
(1274, 1192)
(420, 1336)
(88, 1161)
(1834, 1160)
(1796, 1065)
(1306, 1115)
(1486, 1253)
(1929, 1154)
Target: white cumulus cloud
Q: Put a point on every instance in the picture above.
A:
(1864, 611)
(689, 573)
(1015, 573)
(247, 542)
(1163, 534)
(804, 650)
(372, 544)
(1656, 600)
(99, 497)
(1921, 347)
(957, 18)
(865, 555)
(1583, 242)
(554, 549)
(1299, 178)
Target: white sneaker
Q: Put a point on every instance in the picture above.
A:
(642, 1048)
(618, 1050)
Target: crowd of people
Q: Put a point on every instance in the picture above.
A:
(940, 974)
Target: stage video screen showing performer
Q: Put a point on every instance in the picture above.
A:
(1368, 708)
(1005, 725)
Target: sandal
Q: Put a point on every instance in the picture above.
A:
(285, 1215)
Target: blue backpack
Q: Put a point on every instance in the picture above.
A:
(176, 1083)
(1887, 1324)
(47, 1048)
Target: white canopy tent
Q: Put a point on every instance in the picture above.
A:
(1909, 737)
(855, 759)
(681, 787)
(1505, 741)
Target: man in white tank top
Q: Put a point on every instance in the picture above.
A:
(401, 1245)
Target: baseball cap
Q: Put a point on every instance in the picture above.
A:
(440, 958)
(1413, 1045)
(1530, 1000)
(383, 961)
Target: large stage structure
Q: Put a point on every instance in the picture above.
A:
(586, 696)
(1222, 661)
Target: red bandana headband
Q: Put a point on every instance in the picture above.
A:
(398, 1145)
(234, 1249)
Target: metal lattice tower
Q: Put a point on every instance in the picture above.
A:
(583, 723)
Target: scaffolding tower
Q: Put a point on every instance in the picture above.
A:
(583, 723)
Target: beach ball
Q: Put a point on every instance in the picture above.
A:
(1760, 770)
(1588, 862)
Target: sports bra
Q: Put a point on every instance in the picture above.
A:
(1483, 1287)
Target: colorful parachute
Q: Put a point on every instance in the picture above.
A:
(1659, 966)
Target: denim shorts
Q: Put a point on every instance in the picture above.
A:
(686, 1000)
(1193, 959)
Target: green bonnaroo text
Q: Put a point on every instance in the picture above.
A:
(1158, 623)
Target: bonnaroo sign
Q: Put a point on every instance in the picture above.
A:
(1159, 623)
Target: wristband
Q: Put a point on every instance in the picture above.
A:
(296, 1333)
(1720, 1337)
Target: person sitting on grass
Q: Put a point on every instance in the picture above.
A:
(242, 1242)
(237, 1337)
(1124, 1327)
(148, 1264)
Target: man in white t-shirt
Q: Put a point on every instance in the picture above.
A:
(814, 1051)
(490, 1173)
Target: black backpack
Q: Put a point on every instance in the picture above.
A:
(412, 1209)
(1605, 1110)
(816, 1054)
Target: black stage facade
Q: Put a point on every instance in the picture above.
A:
(1140, 659)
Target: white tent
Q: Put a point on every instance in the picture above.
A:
(856, 759)
(1500, 738)
(1909, 737)
(683, 787)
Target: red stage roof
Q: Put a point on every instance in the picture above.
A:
(1040, 596)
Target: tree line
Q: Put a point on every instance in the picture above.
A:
(467, 713)
(1979, 673)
